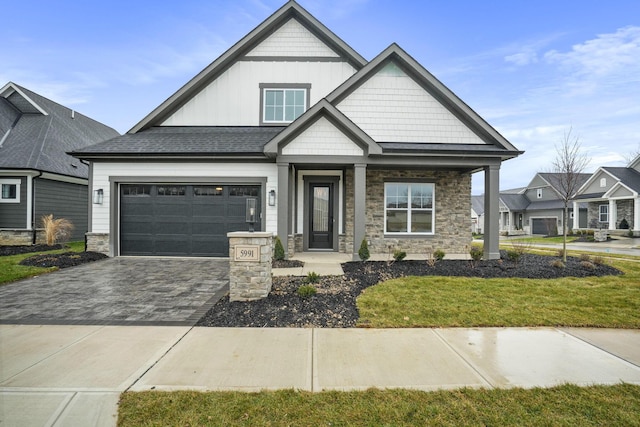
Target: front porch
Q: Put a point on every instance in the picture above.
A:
(618, 216)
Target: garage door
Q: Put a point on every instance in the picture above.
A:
(182, 220)
(546, 226)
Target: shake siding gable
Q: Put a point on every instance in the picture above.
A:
(322, 138)
(233, 99)
(292, 39)
(392, 107)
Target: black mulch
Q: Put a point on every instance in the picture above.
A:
(286, 263)
(24, 249)
(64, 260)
(334, 305)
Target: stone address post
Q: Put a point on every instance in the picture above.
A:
(250, 255)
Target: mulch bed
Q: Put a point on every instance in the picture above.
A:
(286, 263)
(334, 304)
(25, 249)
(64, 260)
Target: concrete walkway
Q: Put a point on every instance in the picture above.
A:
(72, 375)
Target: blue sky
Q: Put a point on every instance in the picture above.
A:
(532, 69)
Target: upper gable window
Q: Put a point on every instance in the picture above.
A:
(10, 191)
(282, 104)
(539, 193)
(603, 182)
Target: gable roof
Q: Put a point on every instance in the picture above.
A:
(291, 10)
(434, 87)
(36, 133)
(477, 204)
(515, 202)
(555, 179)
(627, 176)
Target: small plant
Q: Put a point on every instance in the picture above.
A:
(557, 264)
(56, 230)
(306, 291)
(476, 253)
(399, 255)
(630, 233)
(598, 260)
(278, 250)
(431, 260)
(363, 252)
(514, 256)
(560, 253)
(438, 254)
(588, 265)
(312, 277)
(624, 225)
(585, 257)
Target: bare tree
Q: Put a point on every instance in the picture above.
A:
(569, 163)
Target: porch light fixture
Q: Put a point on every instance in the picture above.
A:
(272, 198)
(98, 196)
(251, 213)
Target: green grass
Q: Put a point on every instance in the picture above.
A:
(565, 405)
(10, 270)
(540, 240)
(428, 301)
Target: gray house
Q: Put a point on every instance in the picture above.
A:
(37, 176)
(326, 147)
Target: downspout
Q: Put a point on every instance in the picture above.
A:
(34, 231)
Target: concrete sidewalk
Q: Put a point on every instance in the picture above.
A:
(73, 375)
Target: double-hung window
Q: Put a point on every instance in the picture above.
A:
(604, 213)
(10, 191)
(283, 104)
(409, 208)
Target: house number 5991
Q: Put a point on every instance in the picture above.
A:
(247, 253)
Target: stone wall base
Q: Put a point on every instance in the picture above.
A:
(11, 237)
(250, 279)
(97, 242)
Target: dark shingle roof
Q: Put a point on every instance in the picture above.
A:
(33, 140)
(406, 147)
(477, 203)
(555, 180)
(186, 141)
(515, 202)
(629, 177)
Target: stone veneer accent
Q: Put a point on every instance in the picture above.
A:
(250, 280)
(452, 207)
(21, 237)
(624, 210)
(97, 242)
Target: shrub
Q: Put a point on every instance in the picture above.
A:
(514, 255)
(598, 260)
(278, 250)
(363, 252)
(56, 230)
(560, 253)
(588, 265)
(306, 291)
(476, 253)
(585, 257)
(624, 225)
(557, 264)
(438, 254)
(312, 277)
(399, 255)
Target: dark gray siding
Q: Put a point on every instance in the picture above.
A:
(63, 200)
(14, 215)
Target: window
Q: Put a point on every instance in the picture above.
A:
(409, 208)
(604, 213)
(207, 190)
(283, 103)
(172, 190)
(136, 190)
(603, 182)
(539, 193)
(10, 191)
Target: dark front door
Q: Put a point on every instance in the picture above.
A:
(321, 216)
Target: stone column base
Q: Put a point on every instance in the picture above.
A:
(250, 256)
(98, 242)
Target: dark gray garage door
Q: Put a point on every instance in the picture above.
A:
(182, 220)
(546, 226)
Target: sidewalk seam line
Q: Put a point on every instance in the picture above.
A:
(63, 409)
(597, 347)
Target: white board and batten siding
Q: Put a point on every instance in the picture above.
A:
(103, 171)
(322, 138)
(392, 107)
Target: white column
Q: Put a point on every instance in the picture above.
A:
(636, 213)
(613, 214)
(576, 216)
(492, 212)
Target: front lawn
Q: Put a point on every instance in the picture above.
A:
(11, 270)
(566, 405)
(428, 301)
(555, 240)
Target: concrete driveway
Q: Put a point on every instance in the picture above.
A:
(118, 291)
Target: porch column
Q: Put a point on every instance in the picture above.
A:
(359, 210)
(636, 214)
(576, 215)
(492, 212)
(283, 206)
(613, 214)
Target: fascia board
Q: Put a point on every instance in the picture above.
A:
(608, 194)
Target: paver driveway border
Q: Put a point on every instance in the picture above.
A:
(118, 291)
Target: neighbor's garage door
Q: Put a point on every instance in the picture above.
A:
(544, 226)
(182, 220)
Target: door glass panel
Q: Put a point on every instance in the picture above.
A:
(320, 219)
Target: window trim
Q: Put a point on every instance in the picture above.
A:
(539, 193)
(17, 183)
(409, 233)
(281, 86)
(603, 182)
(600, 213)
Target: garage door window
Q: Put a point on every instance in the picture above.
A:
(243, 191)
(136, 190)
(207, 190)
(172, 190)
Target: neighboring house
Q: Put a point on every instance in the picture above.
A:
(612, 195)
(538, 207)
(332, 148)
(477, 214)
(37, 176)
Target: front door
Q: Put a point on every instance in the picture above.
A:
(321, 220)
